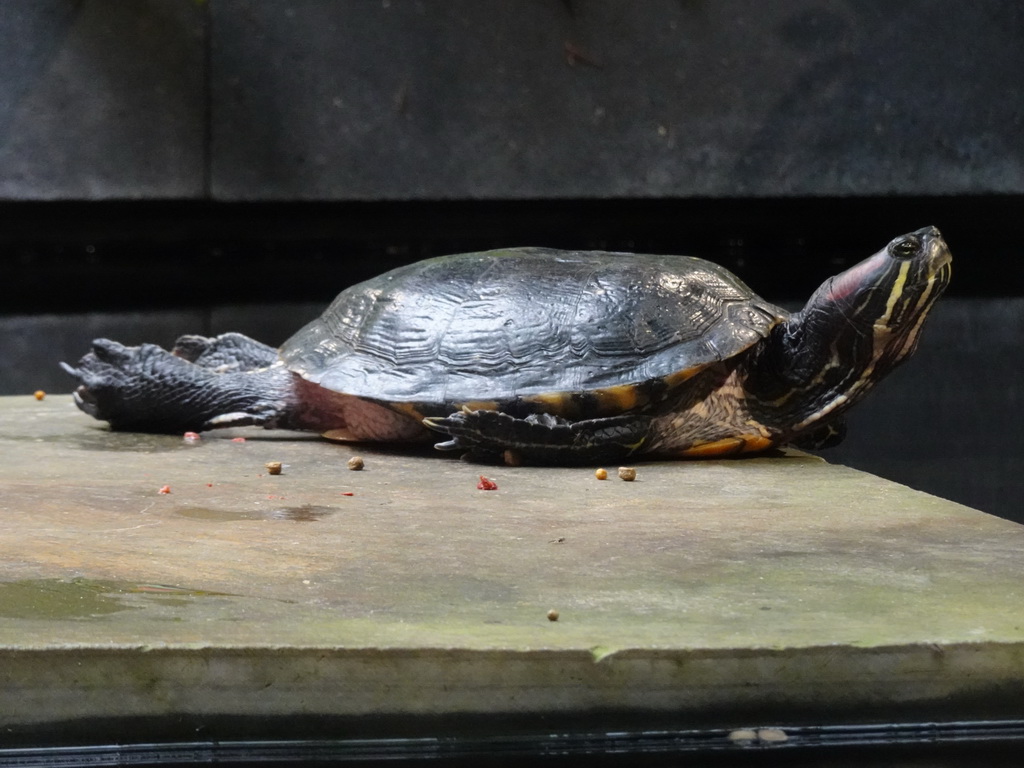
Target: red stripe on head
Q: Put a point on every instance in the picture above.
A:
(857, 276)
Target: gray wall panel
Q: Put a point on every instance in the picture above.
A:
(328, 99)
(348, 99)
(102, 99)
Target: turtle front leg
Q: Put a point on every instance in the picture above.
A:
(148, 389)
(541, 438)
(829, 435)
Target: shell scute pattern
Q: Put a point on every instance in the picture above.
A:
(521, 324)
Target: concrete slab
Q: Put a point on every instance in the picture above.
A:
(779, 588)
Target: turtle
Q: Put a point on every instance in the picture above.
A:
(543, 356)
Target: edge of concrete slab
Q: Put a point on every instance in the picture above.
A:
(69, 683)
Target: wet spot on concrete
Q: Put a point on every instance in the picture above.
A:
(172, 602)
(162, 590)
(218, 515)
(89, 598)
(59, 599)
(304, 513)
(307, 513)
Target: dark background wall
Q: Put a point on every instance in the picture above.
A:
(180, 165)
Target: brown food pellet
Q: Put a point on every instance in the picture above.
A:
(356, 463)
(627, 473)
(552, 615)
(273, 467)
(743, 735)
(512, 458)
(39, 394)
(601, 474)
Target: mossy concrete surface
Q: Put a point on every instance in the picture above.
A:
(773, 585)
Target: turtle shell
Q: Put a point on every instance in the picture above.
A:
(529, 324)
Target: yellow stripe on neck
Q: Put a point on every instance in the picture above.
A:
(895, 293)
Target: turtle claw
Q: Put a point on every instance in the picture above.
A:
(442, 424)
(102, 379)
(85, 402)
(82, 396)
(110, 352)
(122, 385)
(99, 370)
(70, 370)
(439, 423)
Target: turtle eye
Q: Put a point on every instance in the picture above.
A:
(906, 247)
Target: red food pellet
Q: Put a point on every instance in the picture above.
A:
(237, 439)
(347, 493)
(486, 485)
(191, 436)
(164, 489)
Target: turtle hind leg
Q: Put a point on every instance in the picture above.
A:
(147, 389)
(226, 352)
(541, 438)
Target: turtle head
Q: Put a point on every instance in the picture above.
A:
(884, 300)
(858, 326)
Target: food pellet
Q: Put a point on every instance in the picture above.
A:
(601, 474)
(356, 463)
(627, 473)
(191, 437)
(273, 467)
(552, 615)
(39, 394)
(772, 735)
(743, 735)
(486, 484)
(237, 439)
(513, 458)
(164, 489)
